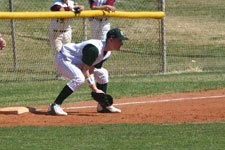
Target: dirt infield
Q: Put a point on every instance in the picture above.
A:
(203, 106)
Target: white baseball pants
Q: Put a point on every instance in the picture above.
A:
(58, 39)
(71, 71)
(99, 29)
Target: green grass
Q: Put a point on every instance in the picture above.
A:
(31, 93)
(213, 9)
(208, 136)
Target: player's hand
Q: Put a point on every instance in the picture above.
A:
(110, 8)
(97, 91)
(79, 6)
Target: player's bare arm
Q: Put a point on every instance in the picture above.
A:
(89, 78)
(104, 7)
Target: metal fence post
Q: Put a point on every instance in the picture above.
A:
(13, 37)
(85, 28)
(163, 38)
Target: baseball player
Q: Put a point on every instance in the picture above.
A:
(2, 43)
(60, 28)
(100, 25)
(82, 62)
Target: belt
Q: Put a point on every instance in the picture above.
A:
(100, 19)
(59, 30)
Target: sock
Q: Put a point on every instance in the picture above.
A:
(102, 87)
(63, 95)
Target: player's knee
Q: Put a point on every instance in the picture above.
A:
(101, 75)
(75, 83)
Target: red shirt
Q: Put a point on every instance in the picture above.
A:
(109, 2)
(57, 7)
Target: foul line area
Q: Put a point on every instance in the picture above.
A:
(149, 101)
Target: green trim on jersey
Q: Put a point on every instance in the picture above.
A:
(99, 65)
(90, 54)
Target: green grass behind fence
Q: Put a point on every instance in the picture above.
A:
(194, 37)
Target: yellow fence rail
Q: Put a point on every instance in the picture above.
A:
(82, 14)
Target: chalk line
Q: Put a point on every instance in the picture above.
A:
(149, 101)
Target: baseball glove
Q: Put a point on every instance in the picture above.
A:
(102, 98)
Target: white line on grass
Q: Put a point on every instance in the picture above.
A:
(145, 102)
(170, 100)
(151, 101)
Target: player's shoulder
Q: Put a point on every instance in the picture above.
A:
(97, 43)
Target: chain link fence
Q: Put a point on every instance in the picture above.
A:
(195, 39)
(31, 58)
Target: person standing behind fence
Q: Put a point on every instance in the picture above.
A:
(2, 43)
(100, 25)
(60, 32)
